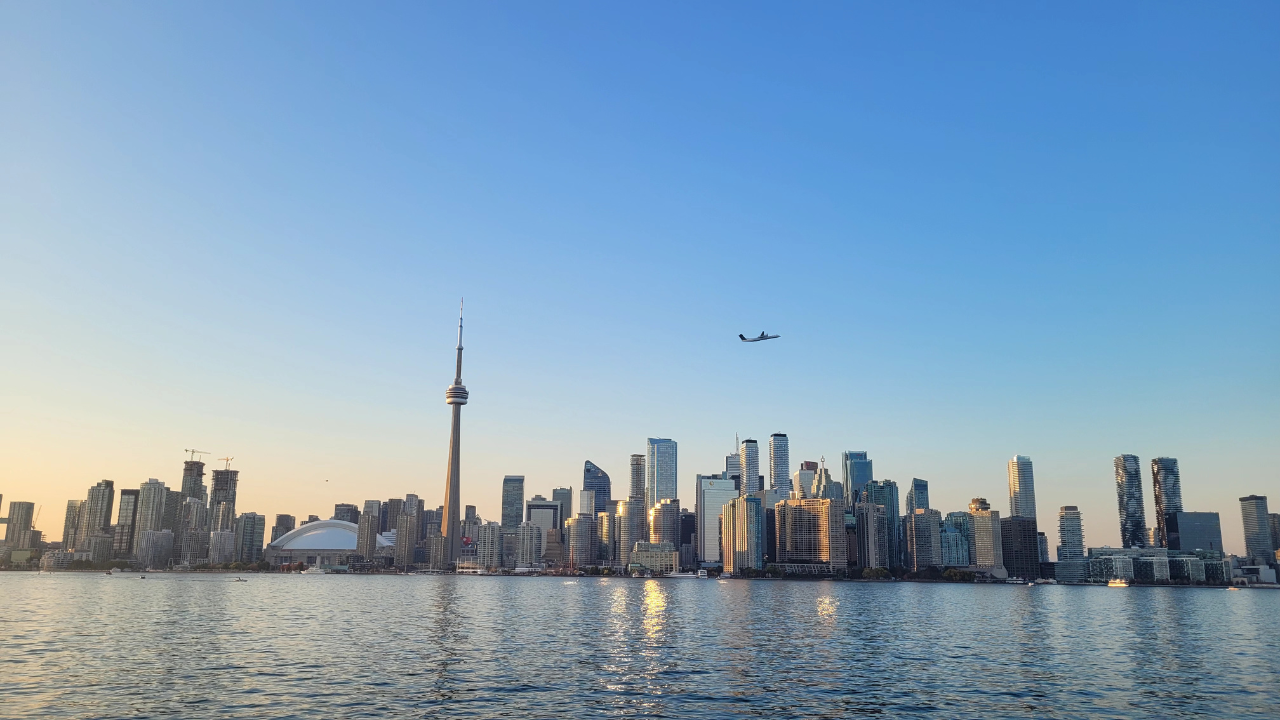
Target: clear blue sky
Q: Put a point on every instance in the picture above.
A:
(980, 230)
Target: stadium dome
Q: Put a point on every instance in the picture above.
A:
(322, 535)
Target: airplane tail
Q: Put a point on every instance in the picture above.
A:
(742, 337)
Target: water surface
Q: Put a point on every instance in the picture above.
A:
(326, 646)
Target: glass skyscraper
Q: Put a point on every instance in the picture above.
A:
(1257, 530)
(660, 469)
(1189, 531)
(637, 477)
(1022, 488)
(855, 474)
(714, 492)
(1133, 514)
(749, 467)
(917, 495)
(512, 501)
(885, 494)
(597, 481)
(1070, 534)
(1168, 488)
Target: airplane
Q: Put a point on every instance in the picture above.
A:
(763, 336)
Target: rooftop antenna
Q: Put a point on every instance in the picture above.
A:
(195, 452)
(227, 460)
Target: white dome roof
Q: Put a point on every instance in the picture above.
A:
(322, 535)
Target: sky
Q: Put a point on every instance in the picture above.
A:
(981, 231)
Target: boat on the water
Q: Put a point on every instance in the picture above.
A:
(314, 570)
(1118, 582)
(681, 575)
(702, 574)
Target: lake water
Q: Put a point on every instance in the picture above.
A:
(326, 646)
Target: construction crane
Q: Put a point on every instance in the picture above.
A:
(227, 460)
(36, 519)
(195, 452)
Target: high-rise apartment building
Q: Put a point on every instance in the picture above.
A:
(1273, 522)
(1022, 488)
(1168, 489)
(250, 529)
(126, 523)
(811, 532)
(1133, 515)
(714, 492)
(528, 545)
(222, 546)
(961, 522)
(873, 535)
(664, 522)
(632, 528)
(955, 546)
(407, 532)
(347, 512)
(155, 547)
(367, 530)
(924, 541)
(660, 466)
(512, 501)
(287, 523)
(749, 464)
(1257, 529)
(195, 535)
(489, 545)
(855, 469)
(779, 464)
(917, 496)
(95, 513)
(19, 526)
(1070, 534)
(584, 543)
(70, 525)
(597, 481)
(885, 494)
(986, 552)
(743, 533)
(637, 477)
(152, 496)
(223, 490)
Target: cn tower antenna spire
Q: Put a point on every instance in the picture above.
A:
(451, 526)
(457, 378)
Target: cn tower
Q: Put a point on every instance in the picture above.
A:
(451, 528)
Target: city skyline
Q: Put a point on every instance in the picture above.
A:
(279, 289)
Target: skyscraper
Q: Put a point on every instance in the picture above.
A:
(632, 528)
(855, 469)
(742, 530)
(960, 523)
(223, 490)
(95, 513)
(250, 529)
(924, 541)
(733, 470)
(528, 546)
(872, 534)
(779, 464)
(1133, 516)
(986, 552)
(151, 501)
(802, 480)
(885, 494)
(346, 512)
(195, 534)
(714, 492)
(1070, 534)
(1022, 488)
(811, 532)
(285, 524)
(1257, 529)
(451, 530)
(126, 522)
(664, 522)
(193, 481)
(597, 481)
(1168, 488)
(1273, 521)
(564, 496)
(19, 525)
(660, 466)
(70, 524)
(637, 477)
(584, 543)
(544, 513)
(1020, 545)
(407, 532)
(1189, 531)
(512, 501)
(917, 496)
(749, 465)
(823, 487)
(367, 530)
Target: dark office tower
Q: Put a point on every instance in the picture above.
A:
(70, 524)
(346, 512)
(1020, 544)
(1133, 516)
(637, 477)
(512, 501)
(172, 512)
(855, 469)
(1273, 522)
(918, 496)
(660, 470)
(469, 517)
(1190, 531)
(95, 513)
(885, 494)
(1168, 487)
(1257, 529)
(193, 480)
(391, 513)
(596, 480)
(126, 522)
(284, 524)
(564, 496)
(224, 491)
